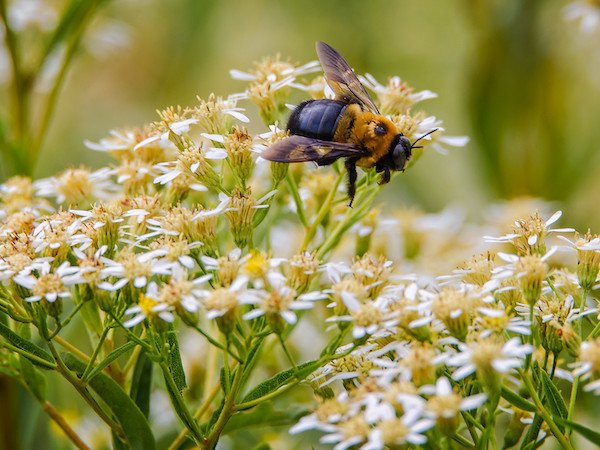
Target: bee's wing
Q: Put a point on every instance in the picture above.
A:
(342, 79)
(301, 148)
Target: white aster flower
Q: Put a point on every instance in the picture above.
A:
(50, 284)
(148, 306)
(502, 358)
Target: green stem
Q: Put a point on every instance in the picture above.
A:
(293, 187)
(92, 360)
(78, 385)
(216, 343)
(462, 441)
(64, 425)
(226, 411)
(197, 415)
(545, 414)
(351, 218)
(325, 209)
(287, 352)
(66, 322)
(575, 385)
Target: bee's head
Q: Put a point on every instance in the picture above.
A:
(401, 150)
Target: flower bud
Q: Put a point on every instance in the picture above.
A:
(532, 271)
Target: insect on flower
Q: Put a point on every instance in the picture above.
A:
(350, 126)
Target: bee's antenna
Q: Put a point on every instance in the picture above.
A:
(425, 135)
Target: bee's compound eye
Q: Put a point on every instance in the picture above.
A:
(380, 129)
(401, 153)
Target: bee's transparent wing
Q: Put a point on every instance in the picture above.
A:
(342, 79)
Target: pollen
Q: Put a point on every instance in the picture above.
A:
(277, 301)
(303, 269)
(455, 309)
(532, 271)
(257, 265)
(221, 299)
(396, 98)
(446, 406)
(132, 266)
(331, 408)
(367, 314)
(238, 145)
(419, 362)
(355, 427)
(227, 271)
(393, 431)
(531, 236)
(17, 194)
(478, 270)
(146, 304)
(589, 260)
(173, 292)
(75, 185)
(372, 272)
(408, 124)
(212, 116)
(240, 217)
(48, 284)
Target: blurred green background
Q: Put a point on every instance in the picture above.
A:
(515, 76)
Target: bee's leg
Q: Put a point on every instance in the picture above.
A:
(386, 176)
(350, 164)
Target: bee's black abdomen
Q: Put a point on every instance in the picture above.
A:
(316, 118)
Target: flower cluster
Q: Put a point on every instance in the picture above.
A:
(411, 330)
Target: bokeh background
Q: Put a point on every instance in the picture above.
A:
(515, 76)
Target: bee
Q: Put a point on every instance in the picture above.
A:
(350, 126)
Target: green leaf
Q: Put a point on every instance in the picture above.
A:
(175, 364)
(34, 379)
(141, 383)
(278, 380)
(517, 400)
(42, 357)
(135, 426)
(110, 358)
(264, 414)
(591, 435)
(554, 400)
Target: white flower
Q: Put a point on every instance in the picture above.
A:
(586, 13)
(280, 299)
(447, 410)
(137, 269)
(533, 238)
(509, 356)
(148, 306)
(394, 84)
(50, 285)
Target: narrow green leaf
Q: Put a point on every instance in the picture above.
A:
(517, 400)
(34, 379)
(141, 383)
(110, 358)
(264, 414)
(278, 380)
(135, 426)
(554, 400)
(591, 435)
(28, 348)
(175, 364)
